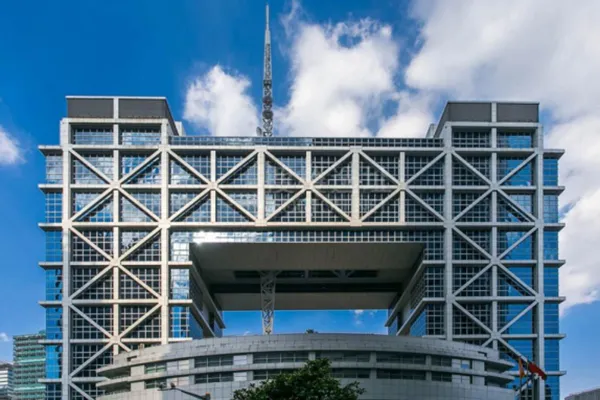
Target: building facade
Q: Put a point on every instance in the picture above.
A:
(127, 192)
(6, 381)
(29, 357)
(592, 394)
(387, 367)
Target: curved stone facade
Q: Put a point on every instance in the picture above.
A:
(387, 367)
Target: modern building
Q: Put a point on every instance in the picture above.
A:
(6, 380)
(592, 394)
(387, 367)
(29, 357)
(151, 234)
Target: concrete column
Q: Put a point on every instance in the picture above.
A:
(164, 235)
(355, 216)
(448, 224)
(539, 349)
(213, 193)
(261, 186)
(65, 136)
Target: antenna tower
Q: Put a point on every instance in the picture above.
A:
(267, 94)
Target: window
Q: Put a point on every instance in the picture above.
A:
(345, 356)
(441, 377)
(54, 284)
(213, 361)
(54, 169)
(441, 361)
(156, 367)
(401, 374)
(515, 139)
(348, 373)
(54, 250)
(268, 374)
(551, 281)
(550, 208)
(550, 245)
(93, 135)
(551, 324)
(551, 353)
(156, 383)
(465, 379)
(279, 357)
(139, 136)
(550, 172)
(401, 358)
(214, 377)
(470, 138)
(523, 177)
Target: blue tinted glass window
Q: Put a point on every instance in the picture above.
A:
(523, 346)
(54, 284)
(53, 362)
(54, 323)
(53, 207)
(523, 325)
(180, 284)
(550, 172)
(551, 318)
(552, 388)
(551, 281)
(54, 246)
(523, 177)
(550, 208)
(550, 245)
(551, 353)
(515, 140)
(522, 251)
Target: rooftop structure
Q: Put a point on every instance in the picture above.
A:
(6, 380)
(29, 356)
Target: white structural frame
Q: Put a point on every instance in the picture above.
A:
(308, 187)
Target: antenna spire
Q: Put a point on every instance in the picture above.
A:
(267, 98)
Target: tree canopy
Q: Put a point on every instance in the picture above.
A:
(312, 382)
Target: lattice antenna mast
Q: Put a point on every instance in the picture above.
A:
(267, 99)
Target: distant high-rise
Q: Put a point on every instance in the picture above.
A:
(6, 380)
(29, 357)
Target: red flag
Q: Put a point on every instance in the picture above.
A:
(534, 369)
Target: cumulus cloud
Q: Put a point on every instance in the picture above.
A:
(4, 337)
(347, 80)
(342, 78)
(10, 151)
(543, 51)
(218, 103)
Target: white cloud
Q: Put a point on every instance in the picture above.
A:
(342, 78)
(344, 82)
(358, 312)
(10, 151)
(218, 103)
(341, 74)
(4, 337)
(536, 50)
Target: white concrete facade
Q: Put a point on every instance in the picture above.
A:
(135, 192)
(387, 367)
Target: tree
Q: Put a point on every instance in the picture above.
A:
(311, 331)
(311, 382)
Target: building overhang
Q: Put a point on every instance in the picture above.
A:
(310, 276)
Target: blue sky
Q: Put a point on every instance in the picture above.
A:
(172, 49)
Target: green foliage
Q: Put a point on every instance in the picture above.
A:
(312, 382)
